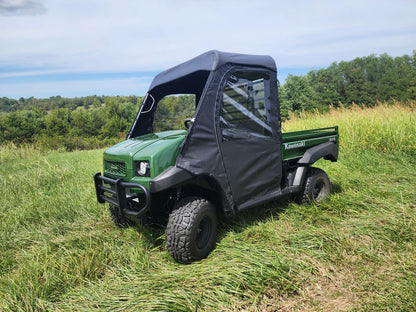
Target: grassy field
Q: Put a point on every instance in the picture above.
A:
(59, 250)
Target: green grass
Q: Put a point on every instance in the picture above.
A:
(385, 128)
(355, 252)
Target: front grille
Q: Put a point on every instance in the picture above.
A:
(115, 168)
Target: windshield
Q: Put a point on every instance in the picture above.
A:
(172, 111)
(168, 113)
(167, 105)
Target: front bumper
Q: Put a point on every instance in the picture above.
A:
(117, 195)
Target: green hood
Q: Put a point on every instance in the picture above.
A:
(160, 149)
(133, 146)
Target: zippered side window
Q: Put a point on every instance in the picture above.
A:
(245, 104)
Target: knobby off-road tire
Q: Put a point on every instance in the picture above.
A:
(118, 219)
(191, 230)
(316, 188)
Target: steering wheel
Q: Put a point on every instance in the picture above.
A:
(188, 122)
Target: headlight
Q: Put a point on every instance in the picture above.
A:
(143, 168)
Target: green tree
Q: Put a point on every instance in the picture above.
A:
(297, 94)
(96, 103)
(119, 117)
(58, 122)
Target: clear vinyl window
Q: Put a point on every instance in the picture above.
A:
(245, 103)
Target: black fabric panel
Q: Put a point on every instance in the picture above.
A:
(275, 108)
(252, 166)
(143, 123)
(203, 62)
(252, 162)
(204, 151)
(200, 153)
(193, 83)
(211, 61)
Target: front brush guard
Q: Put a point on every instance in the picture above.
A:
(116, 194)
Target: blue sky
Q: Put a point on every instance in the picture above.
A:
(85, 47)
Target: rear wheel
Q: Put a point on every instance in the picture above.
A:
(191, 230)
(317, 187)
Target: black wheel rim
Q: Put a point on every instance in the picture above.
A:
(203, 233)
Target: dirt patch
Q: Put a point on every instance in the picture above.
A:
(326, 289)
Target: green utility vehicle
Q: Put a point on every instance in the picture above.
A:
(232, 156)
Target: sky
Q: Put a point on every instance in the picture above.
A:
(115, 47)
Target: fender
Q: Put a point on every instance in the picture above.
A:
(328, 150)
(171, 177)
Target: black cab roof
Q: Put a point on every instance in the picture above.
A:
(210, 61)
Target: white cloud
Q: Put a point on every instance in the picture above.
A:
(21, 7)
(120, 36)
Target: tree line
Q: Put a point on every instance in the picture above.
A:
(56, 102)
(364, 80)
(83, 127)
(94, 121)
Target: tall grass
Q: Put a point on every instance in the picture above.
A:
(384, 127)
(59, 250)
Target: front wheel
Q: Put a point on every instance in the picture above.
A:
(118, 219)
(317, 187)
(191, 230)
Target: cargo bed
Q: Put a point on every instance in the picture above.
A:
(294, 144)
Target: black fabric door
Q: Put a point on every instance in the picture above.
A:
(250, 148)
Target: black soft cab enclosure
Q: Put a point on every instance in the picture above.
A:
(235, 135)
